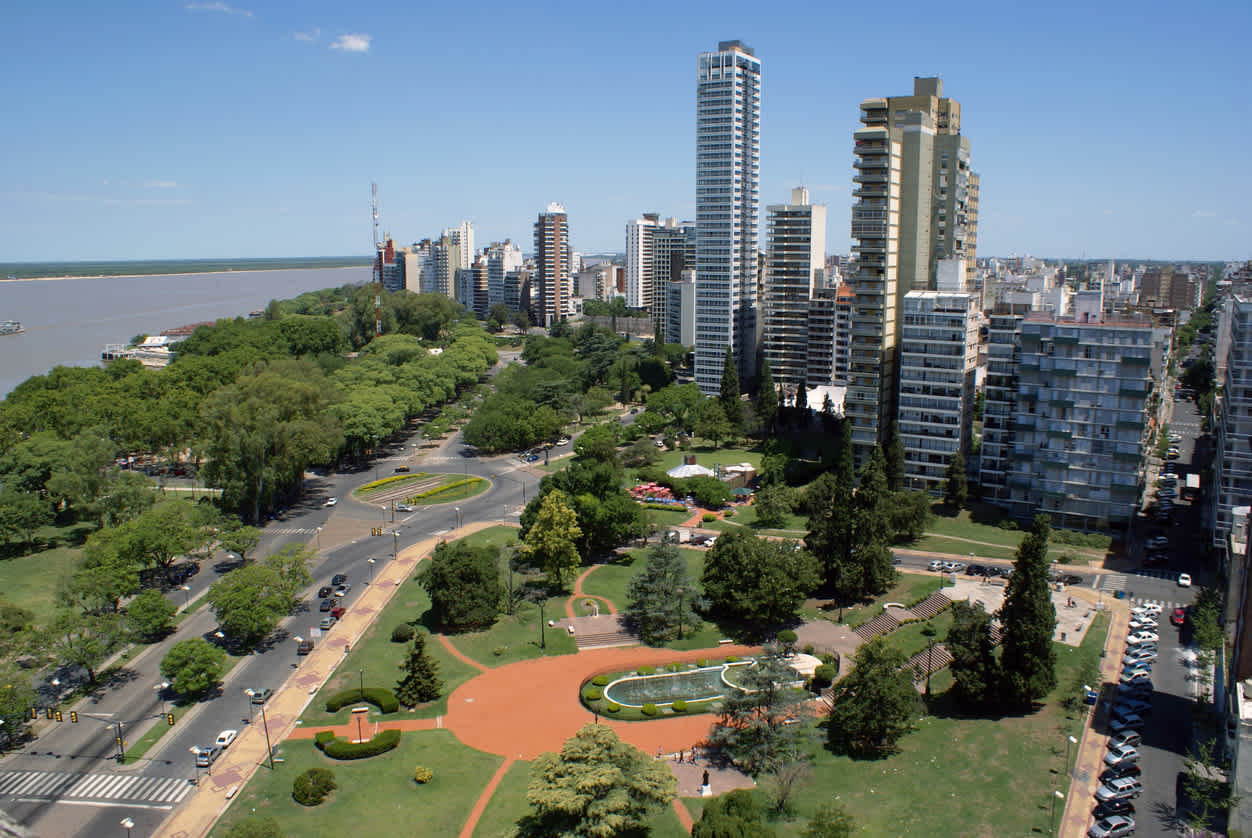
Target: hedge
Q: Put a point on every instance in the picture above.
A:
(312, 787)
(393, 479)
(613, 707)
(679, 706)
(647, 669)
(382, 698)
(593, 694)
(402, 633)
(600, 680)
(650, 709)
(383, 741)
(447, 487)
(422, 776)
(823, 675)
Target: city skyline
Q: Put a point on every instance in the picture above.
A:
(198, 130)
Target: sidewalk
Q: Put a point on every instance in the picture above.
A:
(1091, 748)
(197, 815)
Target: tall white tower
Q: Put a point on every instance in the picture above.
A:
(728, 173)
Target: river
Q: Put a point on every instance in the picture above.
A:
(69, 321)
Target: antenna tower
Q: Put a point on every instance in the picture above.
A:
(378, 265)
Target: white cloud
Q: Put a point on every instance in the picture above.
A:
(1204, 214)
(352, 43)
(218, 6)
(161, 184)
(308, 37)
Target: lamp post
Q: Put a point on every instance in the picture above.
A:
(195, 753)
(362, 682)
(319, 539)
(458, 516)
(1056, 795)
(269, 749)
(395, 544)
(1069, 740)
(128, 825)
(929, 633)
(186, 589)
(160, 691)
(682, 592)
(249, 692)
(370, 562)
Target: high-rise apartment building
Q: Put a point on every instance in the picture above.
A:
(673, 251)
(797, 257)
(680, 313)
(502, 257)
(995, 453)
(1232, 466)
(916, 206)
(639, 264)
(938, 357)
(551, 286)
(728, 166)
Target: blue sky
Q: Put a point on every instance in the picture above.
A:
(173, 128)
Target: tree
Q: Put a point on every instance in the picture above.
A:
(761, 726)
(1206, 786)
(1028, 661)
(256, 826)
(21, 514)
(831, 520)
(974, 665)
(766, 398)
(84, 639)
(421, 681)
(16, 698)
(873, 571)
(166, 531)
(464, 585)
(872, 705)
(728, 395)
(955, 490)
(709, 492)
(910, 514)
(802, 401)
(772, 505)
(893, 452)
(105, 577)
(596, 787)
(238, 537)
(732, 815)
(661, 599)
(193, 666)
(249, 601)
(831, 821)
(712, 422)
(757, 581)
(150, 616)
(550, 542)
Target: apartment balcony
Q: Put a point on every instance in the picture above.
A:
(877, 174)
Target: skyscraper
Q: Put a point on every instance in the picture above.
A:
(917, 204)
(797, 258)
(551, 283)
(728, 168)
(639, 281)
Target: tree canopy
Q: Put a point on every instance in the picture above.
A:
(661, 599)
(872, 706)
(757, 581)
(1028, 661)
(464, 585)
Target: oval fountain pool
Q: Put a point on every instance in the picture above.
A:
(665, 688)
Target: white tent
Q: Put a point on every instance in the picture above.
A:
(690, 470)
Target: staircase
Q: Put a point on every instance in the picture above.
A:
(884, 623)
(600, 632)
(931, 606)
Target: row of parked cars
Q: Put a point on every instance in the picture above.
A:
(1114, 810)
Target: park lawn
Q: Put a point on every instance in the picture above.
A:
(380, 658)
(517, 638)
(746, 516)
(376, 796)
(459, 493)
(955, 775)
(910, 588)
(391, 483)
(962, 549)
(962, 527)
(497, 536)
(708, 456)
(32, 581)
(610, 580)
(667, 518)
(910, 640)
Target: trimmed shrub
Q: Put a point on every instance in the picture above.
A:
(402, 633)
(422, 775)
(600, 680)
(729, 513)
(787, 637)
(732, 659)
(499, 651)
(322, 737)
(702, 662)
(593, 694)
(679, 706)
(707, 517)
(312, 787)
(382, 698)
(650, 709)
(613, 707)
(808, 649)
(675, 667)
(824, 676)
(647, 669)
(383, 741)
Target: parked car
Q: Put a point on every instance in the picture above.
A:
(975, 570)
(1127, 737)
(1131, 721)
(332, 501)
(207, 755)
(1147, 608)
(935, 565)
(324, 591)
(327, 623)
(1113, 772)
(305, 647)
(326, 605)
(337, 611)
(403, 507)
(1158, 542)
(1138, 689)
(1143, 624)
(1138, 655)
(226, 737)
(563, 441)
(1071, 579)
(1173, 453)
(262, 695)
(1116, 826)
(1143, 637)
(1184, 580)
(1117, 754)
(1175, 437)
(402, 469)
(338, 579)
(1126, 706)
(342, 590)
(1179, 617)
(1123, 788)
(1113, 807)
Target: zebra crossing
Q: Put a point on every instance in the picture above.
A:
(1113, 582)
(156, 792)
(1166, 607)
(292, 530)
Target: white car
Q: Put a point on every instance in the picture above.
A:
(563, 441)
(1143, 637)
(226, 737)
(332, 501)
(1143, 625)
(1184, 580)
(1147, 608)
(403, 507)
(1158, 542)
(1119, 754)
(935, 565)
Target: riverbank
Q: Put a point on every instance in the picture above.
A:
(42, 272)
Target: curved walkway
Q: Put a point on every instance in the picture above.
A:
(458, 654)
(578, 594)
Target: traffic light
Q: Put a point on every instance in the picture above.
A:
(169, 719)
(59, 717)
(49, 713)
(74, 717)
(34, 713)
(376, 530)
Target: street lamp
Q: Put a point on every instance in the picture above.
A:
(195, 753)
(1056, 795)
(458, 516)
(370, 562)
(251, 707)
(186, 589)
(1069, 740)
(128, 825)
(929, 633)
(319, 539)
(362, 682)
(160, 691)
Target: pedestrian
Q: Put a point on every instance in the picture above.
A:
(658, 751)
(680, 757)
(706, 778)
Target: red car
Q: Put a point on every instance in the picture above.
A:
(1179, 616)
(337, 611)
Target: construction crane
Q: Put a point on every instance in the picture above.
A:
(378, 265)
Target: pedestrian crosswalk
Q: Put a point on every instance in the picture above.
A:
(1166, 607)
(1171, 575)
(1113, 582)
(157, 792)
(292, 531)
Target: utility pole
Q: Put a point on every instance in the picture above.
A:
(378, 265)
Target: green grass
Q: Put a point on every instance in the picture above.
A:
(952, 547)
(391, 483)
(610, 580)
(516, 638)
(498, 536)
(376, 796)
(468, 490)
(910, 640)
(964, 776)
(667, 518)
(962, 527)
(745, 516)
(707, 456)
(32, 581)
(910, 588)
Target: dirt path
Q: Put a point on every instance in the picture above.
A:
(578, 594)
(456, 653)
(480, 805)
